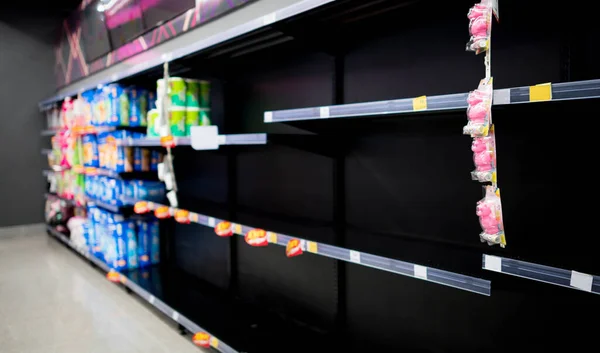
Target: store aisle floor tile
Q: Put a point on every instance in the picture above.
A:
(52, 301)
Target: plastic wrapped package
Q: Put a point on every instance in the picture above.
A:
(484, 157)
(480, 26)
(489, 211)
(479, 111)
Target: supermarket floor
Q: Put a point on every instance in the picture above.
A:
(51, 301)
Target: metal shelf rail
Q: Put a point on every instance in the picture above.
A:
(236, 139)
(448, 102)
(455, 280)
(89, 201)
(151, 299)
(542, 273)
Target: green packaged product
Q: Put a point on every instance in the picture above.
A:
(192, 93)
(205, 117)
(192, 118)
(177, 120)
(177, 91)
(153, 115)
(204, 96)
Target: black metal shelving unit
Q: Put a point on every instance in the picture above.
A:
(375, 185)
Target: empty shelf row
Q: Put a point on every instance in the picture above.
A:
(448, 102)
(459, 281)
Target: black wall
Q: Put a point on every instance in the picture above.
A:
(405, 183)
(26, 68)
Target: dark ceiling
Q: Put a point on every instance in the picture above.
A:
(61, 8)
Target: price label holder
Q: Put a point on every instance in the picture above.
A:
(268, 117)
(581, 281)
(214, 343)
(420, 271)
(205, 138)
(237, 229)
(312, 247)
(211, 222)
(540, 93)
(493, 263)
(420, 103)
(272, 237)
(324, 112)
(175, 316)
(355, 256)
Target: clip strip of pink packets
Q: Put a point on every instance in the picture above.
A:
(481, 129)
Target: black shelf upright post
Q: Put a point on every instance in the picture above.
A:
(232, 189)
(339, 201)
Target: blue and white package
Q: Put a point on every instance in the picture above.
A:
(132, 250)
(151, 100)
(138, 106)
(154, 229)
(143, 237)
(119, 235)
(90, 151)
(155, 158)
(150, 191)
(137, 159)
(119, 105)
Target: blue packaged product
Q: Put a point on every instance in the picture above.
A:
(129, 190)
(132, 250)
(99, 233)
(151, 100)
(89, 186)
(154, 230)
(138, 106)
(137, 159)
(125, 160)
(90, 151)
(155, 159)
(119, 105)
(119, 251)
(150, 191)
(92, 239)
(144, 242)
(100, 108)
(88, 234)
(88, 110)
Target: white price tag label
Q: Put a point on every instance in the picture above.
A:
(205, 138)
(324, 112)
(268, 117)
(493, 263)
(355, 256)
(420, 271)
(582, 281)
(211, 222)
(175, 316)
(151, 299)
(270, 18)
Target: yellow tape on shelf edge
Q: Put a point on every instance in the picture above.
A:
(540, 93)
(312, 247)
(420, 103)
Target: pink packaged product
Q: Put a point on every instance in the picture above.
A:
(480, 26)
(479, 111)
(484, 157)
(489, 211)
(67, 114)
